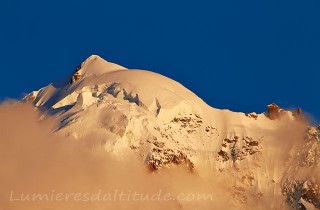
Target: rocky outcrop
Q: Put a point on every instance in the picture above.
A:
(252, 115)
(302, 193)
(30, 98)
(76, 76)
(160, 158)
(298, 112)
(313, 132)
(234, 148)
(274, 111)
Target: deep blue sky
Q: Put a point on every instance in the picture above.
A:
(239, 55)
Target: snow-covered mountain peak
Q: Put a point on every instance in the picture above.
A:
(94, 65)
(166, 124)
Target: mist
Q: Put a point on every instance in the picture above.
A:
(36, 161)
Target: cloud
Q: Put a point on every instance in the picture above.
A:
(35, 161)
(69, 174)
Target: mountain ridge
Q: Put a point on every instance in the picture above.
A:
(165, 124)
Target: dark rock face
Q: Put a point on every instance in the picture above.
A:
(298, 191)
(252, 115)
(224, 155)
(298, 112)
(77, 76)
(236, 149)
(299, 115)
(274, 111)
(160, 158)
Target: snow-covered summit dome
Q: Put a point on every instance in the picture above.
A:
(94, 65)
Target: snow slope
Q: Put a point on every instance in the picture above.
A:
(166, 124)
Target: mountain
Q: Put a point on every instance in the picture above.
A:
(270, 154)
